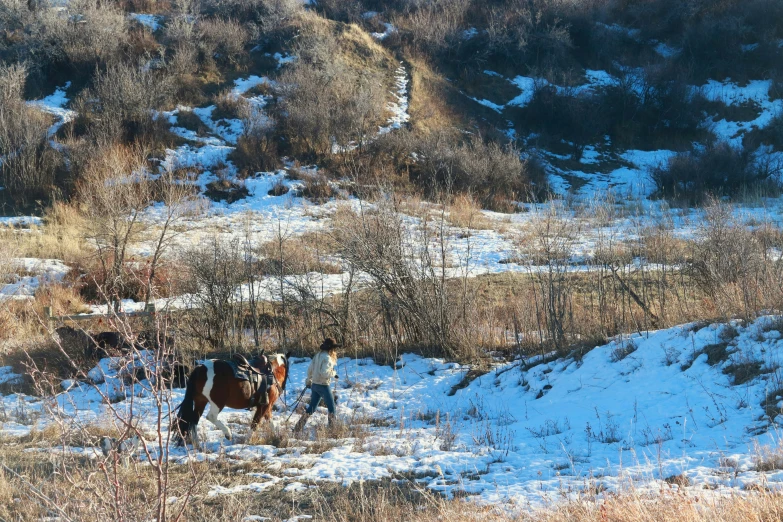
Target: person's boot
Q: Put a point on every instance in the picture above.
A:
(301, 423)
(332, 420)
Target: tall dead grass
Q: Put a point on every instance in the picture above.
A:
(673, 505)
(362, 501)
(59, 237)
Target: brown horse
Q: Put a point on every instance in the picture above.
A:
(214, 383)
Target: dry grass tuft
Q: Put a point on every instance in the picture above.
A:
(465, 212)
(768, 458)
(299, 255)
(667, 507)
(317, 189)
(270, 435)
(60, 237)
(229, 106)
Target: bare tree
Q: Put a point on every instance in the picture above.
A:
(114, 192)
(130, 432)
(549, 249)
(216, 270)
(178, 201)
(408, 269)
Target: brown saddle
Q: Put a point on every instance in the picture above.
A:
(259, 364)
(258, 372)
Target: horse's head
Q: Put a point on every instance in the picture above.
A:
(280, 365)
(261, 362)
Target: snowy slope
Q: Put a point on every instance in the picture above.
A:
(632, 178)
(644, 407)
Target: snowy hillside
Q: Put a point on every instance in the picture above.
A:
(518, 190)
(692, 401)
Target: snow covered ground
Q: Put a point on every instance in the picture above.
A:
(150, 21)
(260, 214)
(35, 272)
(644, 408)
(631, 177)
(399, 107)
(755, 92)
(54, 104)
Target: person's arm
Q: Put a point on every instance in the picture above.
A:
(329, 367)
(309, 379)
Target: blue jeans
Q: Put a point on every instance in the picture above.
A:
(318, 392)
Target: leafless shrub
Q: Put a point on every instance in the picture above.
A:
(120, 103)
(181, 31)
(495, 175)
(328, 103)
(269, 14)
(536, 32)
(215, 271)
(728, 261)
(12, 80)
(727, 251)
(279, 12)
(566, 115)
(230, 106)
(317, 188)
(88, 31)
(719, 170)
(184, 61)
(714, 45)
(409, 273)
(256, 149)
(223, 40)
(348, 11)
(437, 25)
(551, 242)
(27, 163)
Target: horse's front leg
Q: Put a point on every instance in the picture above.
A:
(257, 418)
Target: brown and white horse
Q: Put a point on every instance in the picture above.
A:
(213, 383)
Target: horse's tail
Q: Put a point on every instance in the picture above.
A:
(187, 418)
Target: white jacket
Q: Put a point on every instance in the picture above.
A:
(321, 369)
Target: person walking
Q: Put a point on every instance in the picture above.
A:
(319, 377)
